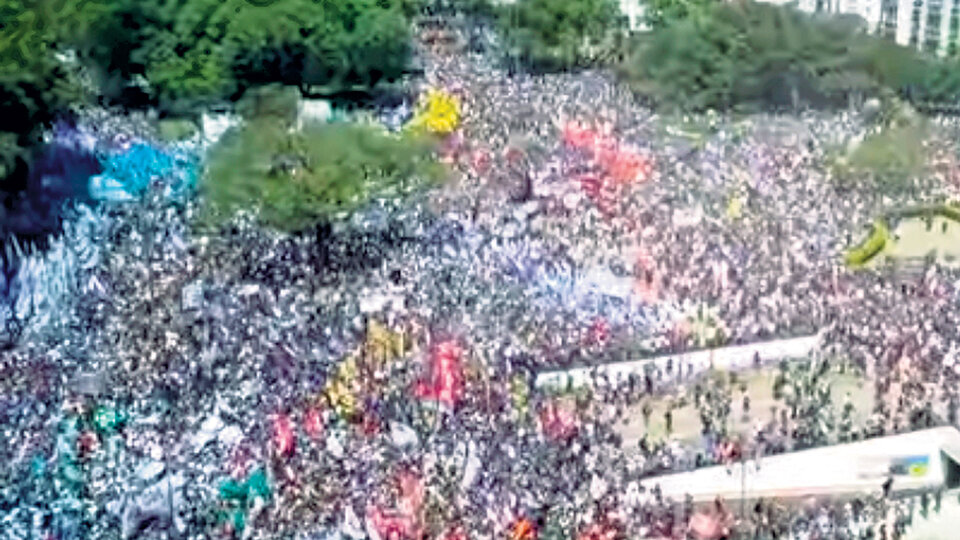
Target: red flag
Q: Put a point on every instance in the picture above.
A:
(558, 422)
(445, 382)
(599, 531)
(523, 529)
(480, 161)
(599, 332)
(576, 136)
(283, 438)
(628, 167)
(313, 423)
(87, 443)
(391, 524)
(728, 452)
(608, 152)
(599, 192)
(455, 533)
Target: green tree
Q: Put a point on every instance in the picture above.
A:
(747, 55)
(552, 35)
(661, 13)
(299, 179)
(35, 85)
(196, 51)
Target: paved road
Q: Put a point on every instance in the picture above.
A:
(942, 526)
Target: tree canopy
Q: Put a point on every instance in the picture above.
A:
(552, 35)
(196, 51)
(748, 55)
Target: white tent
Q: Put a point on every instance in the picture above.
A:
(917, 460)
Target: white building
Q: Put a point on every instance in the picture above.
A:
(929, 25)
(926, 459)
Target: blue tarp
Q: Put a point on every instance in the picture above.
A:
(127, 174)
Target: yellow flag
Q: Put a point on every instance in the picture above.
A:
(341, 390)
(735, 208)
(382, 345)
(438, 112)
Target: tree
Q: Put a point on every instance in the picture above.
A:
(297, 180)
(552, 35)
(661, 13)
(197, 51)
(747, 55)
(35, 84)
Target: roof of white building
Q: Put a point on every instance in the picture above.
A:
(921, 457)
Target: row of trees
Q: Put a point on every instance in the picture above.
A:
(708, 54)
(176, 55)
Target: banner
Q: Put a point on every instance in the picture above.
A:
(915, 466)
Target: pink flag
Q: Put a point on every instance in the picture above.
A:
(411, 493)
(403, 521)
(706, 526)
(283, 438)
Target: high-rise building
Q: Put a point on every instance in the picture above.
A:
(929, 25)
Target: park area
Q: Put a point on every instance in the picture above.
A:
(759, 384)
(938, 238)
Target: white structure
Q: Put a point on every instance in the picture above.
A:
(736, 357)
(924, 24)
(916, 461)
(633, 10)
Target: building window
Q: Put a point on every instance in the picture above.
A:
(915, 23)
(888, 19)
(954, 27)
(932, 39)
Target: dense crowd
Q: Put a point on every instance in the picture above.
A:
(211, 357)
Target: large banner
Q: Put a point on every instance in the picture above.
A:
(916, 466)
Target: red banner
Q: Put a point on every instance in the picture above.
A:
(444, 383)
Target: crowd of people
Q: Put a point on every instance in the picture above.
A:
(236, 379)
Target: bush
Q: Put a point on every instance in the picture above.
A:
(299, 179)
(552, 35)
(890, 160)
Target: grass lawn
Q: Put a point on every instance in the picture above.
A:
(913, 239)
(686, 421)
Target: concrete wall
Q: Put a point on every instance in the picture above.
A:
(736, 357)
